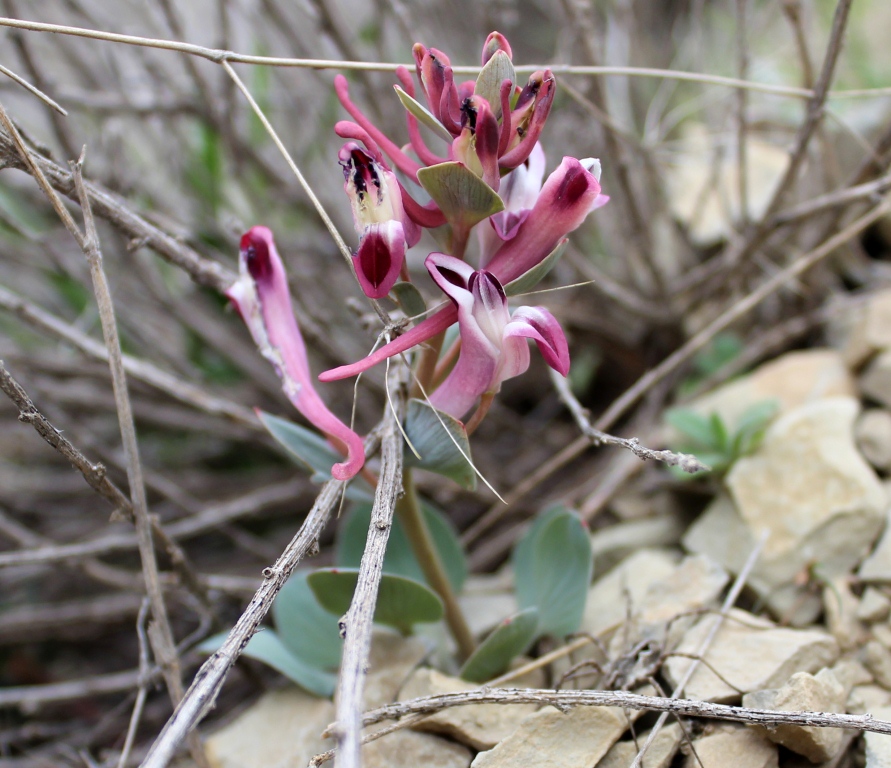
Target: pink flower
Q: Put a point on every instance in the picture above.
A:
(494, 344)
(262, 298)
(570, 193)
(376, 200)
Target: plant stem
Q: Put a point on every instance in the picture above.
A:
(426, 370)
(409, 510)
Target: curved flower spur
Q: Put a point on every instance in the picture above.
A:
(263, 300)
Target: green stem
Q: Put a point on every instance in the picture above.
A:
(424, 374)
(409, 510)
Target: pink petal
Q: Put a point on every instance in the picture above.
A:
(262, 297)
(540, 325)
(379, 258)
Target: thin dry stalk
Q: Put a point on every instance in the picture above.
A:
(142, 693)
(356, 625)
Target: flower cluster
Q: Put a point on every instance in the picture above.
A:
(489, 176)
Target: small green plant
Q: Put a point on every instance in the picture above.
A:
(710, 439)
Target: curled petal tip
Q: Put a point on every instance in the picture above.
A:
(495, 42)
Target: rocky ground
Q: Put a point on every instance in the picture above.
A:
(810, 632)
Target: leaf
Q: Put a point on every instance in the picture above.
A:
(692, 425)
(528, 280)
(720, 436)
(306, 629)
(400, 559)
(401, 602)
(437, 436)
(423, 114)
(266, 646)
(463, 197)
(508, 640)
(409, 299)
(488, 83)
(552, 568)
(752, 426)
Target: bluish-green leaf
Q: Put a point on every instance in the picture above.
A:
(401, 602)
(307, 630)
(528, 280)
(692, 425)
(266, 646)
(488, 83)
(400, 559)
(752, 425)
(461, 195)
(409, 299)
(552, 571)
(437, 437)
(423, 114)
(508, 640)
(720, 435)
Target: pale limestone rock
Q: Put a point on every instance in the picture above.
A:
(877, 659)
(867, 698)
(486, 601)
(705, 197)
(282, 730)
(750, 653)
(875, 381)
(882, 633)
(869, 330)
(851, 673)
(733, 747)
(409, 749)
(659, 755)
(551, 739)
(791, 380)
(810, 489)
(613, 544)
(804, 693)
(478, 726)
(877, 567)
(878, 746)
(619, 591)
(841, 614)
(873, 434)
(874, 606)
(391, 661)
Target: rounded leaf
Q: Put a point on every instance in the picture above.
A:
(307, 630)
(441, 443)
(508, 640)
(401, 602)
(463, 197)
(553, 565)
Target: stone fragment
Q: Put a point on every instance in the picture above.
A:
(613, 544)
(618, 592)
(551, 739)
(478, 726)
(873, 434)
(877, 567)
(409, 749)
(391, 661)
(791, 381)
(877, 659)
(878, 746)
(867, 698)
(281, 730)
(750, 653)
(875, 381)
(874, 606)
(804, 693)
(659, 755)
(810, 489)
(486, 601)
(841, 614)
(869, 329)
(851, 673)
(882, 633)
(733, 747)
